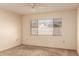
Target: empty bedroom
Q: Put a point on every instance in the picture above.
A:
(39, 29)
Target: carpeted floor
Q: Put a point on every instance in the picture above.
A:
(37, 51)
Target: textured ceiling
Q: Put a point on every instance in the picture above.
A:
(25, 8)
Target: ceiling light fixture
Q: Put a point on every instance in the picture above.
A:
(33, 7)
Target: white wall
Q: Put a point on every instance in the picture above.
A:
(78, 30)
(66, 41)
(10, 30)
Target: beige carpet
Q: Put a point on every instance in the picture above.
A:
(37, 51)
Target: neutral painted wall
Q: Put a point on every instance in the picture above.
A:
(78, 30)
(66, 41)
(10, 30)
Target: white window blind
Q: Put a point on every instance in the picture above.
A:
(46, 27)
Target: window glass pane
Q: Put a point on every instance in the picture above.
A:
(34, 31)
(34, 27)
(57, 24)
(45, 27)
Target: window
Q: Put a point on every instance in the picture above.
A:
(46, 27)
(57, 26)
(34, 27)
